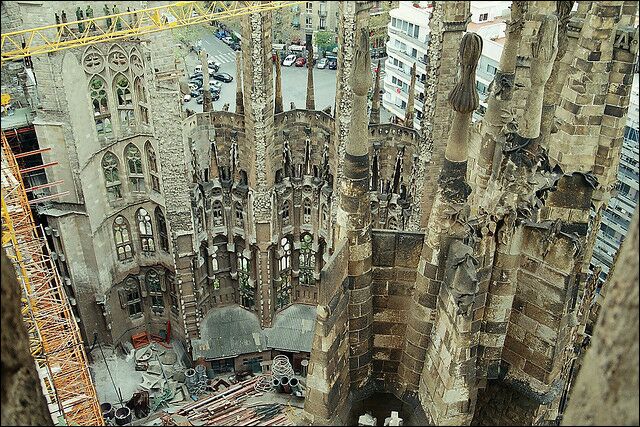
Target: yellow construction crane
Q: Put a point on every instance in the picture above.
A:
(66, 35)
(55, 340)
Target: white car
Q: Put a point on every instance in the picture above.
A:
(322, 63)
(198, 69)
(289, 60)
(215, 84)
(186, 98)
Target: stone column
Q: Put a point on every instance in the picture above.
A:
(258, 113)
(438, 262)
(239, 95)
(501, 93)
(447, 25)
(354, 220)
(278, 95)
(343, 110)
(207, 102)
(408, 117)
(374, 117)
(310, 103)
(166, 111)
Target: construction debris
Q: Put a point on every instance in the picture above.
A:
(230, 407)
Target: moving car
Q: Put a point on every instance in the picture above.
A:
(332, 63)
(300, 62)
(186, 98)
(289, 60)
(223, 77)
(322, 63)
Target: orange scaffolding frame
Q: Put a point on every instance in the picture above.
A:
(54, 336)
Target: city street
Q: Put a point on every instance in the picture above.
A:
(294, 80)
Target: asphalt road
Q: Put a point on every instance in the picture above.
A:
(294, 80)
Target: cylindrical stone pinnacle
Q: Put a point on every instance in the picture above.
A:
(374, 117)
(408, 118)
(278, 96)
(310, 105)
(239, 96)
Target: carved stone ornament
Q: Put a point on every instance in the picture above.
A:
(361, 77)
(464, 96)
(461, 276)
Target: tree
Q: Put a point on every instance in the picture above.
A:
(325, 40)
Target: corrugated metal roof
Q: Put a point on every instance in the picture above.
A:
(231, 331)
(293, 328)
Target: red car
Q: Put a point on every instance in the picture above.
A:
(300, 62)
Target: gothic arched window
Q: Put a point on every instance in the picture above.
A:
(146, 230)
(134, 168)
(100, 105)
(162, 229)
(122, 237)
(286, 213)
(239, 215)
(124, 99)
(247, 293)
(110, 167)
(133, 301)
(154, 289)
(307, 260)
(141, 96)
(217, 213)
(153, 167)
(306, 214)
(325, 217)
(283, 284)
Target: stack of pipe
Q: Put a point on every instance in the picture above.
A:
(226, 408)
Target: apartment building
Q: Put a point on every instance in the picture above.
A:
(408, 33)
(616, 219)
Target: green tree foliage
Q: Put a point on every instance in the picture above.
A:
(325, 41)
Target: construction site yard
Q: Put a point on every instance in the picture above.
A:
(152, 386)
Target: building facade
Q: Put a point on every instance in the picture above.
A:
(408, 34)
(616, 219)
(443, 266)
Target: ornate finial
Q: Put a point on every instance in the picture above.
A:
(464, 97)
(360, 77)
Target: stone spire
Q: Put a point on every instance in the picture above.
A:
(374, 118)
(354, 215)
(207, 103)
(239, 95)
(311, 104)
(278, 96)
(408, 117)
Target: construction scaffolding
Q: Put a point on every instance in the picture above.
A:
(54, 336)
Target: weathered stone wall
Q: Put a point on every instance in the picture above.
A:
(500, 405)
(328, 373)
(395, 258)
(22, 400)
(609, 375)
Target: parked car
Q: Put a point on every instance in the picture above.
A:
(196, 82)
(300, 62)
(216, 84)
(200, 99)
(289, 60)
(213, 65)
(195, 93)
(332, 63)
(227, 40)
(235, 46)
(198, 69)
(322, 63)
(223, 77)
(186, 98)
